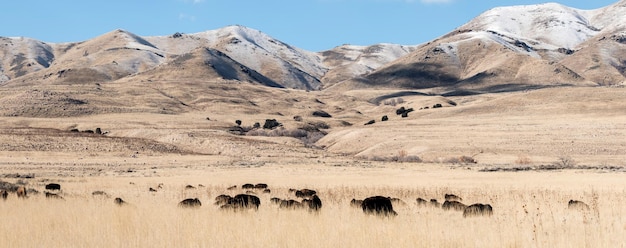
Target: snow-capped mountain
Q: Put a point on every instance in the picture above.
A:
(505, 48)
(231, 53)
(517, 47)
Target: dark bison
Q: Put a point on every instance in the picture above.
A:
(119, 201)
(152, 189)
(452, 197)
(267, 191)
(21, 192)
(275, 200)
(4, 194)
(315, 203)
(190, 187)
(260, 186)
(245, 201)
(421, 202)
(190, 203)
(247, 186)
(290, 204)
(453, 205)
(478, 209)
(53, 186)
(100, 193)
(378, 205)
(53, 196)
(434, 203)
(222, 199)
(305, 193)
(356, 203)
(577, 205)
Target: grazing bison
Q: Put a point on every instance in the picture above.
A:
(100, 193)
(247, 186)
(453, 205)
(356, 203)
(378, 205)
(190, 187)
(260, 186)
(305, 193)
(315, 203)
(152, 189)
(434, 203)
(53, 186)
(421, 202)
(577, 205)
(222, 199)
(290, 204)
(452, 197)
(478, 209)
(245, 201)
(275, 200)
(21, 192)
(4, 194)
(267, 191)
(119, 201)
(53, 196)
(190, 203)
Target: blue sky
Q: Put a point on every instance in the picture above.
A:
(314, 25)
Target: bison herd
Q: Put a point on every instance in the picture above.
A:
(306, 199)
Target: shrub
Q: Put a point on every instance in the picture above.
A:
(322, 113)
(565, 162)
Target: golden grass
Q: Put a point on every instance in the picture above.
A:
(526, 214)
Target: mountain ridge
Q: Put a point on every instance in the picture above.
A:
(524, 46)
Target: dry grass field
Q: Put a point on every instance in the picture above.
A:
(520, 137)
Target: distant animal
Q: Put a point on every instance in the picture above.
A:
(378, 205)
(290, 204)
(160, 186)
(315, 204)
(53, 196)
(260, 186)
(478, 209)
(222, 199)
(190, 187)
(232, 187)
(247, 186)
(267, 191)
(356, 203)
(190, 203)
(100, 193)
(119, 201)
(421, 202)
(305, 193)
(245, 201)
(4, 194)
(453, 197)
(434, 203)
(453, 205)
(53, 186)
(275, 200)
(577, 205)
(21, 192)
(152, 189)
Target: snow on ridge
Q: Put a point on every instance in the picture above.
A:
(550, 23)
